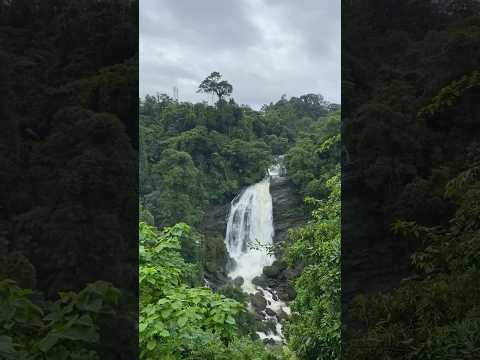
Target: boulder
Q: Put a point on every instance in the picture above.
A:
(271, 326)
(258, 301)
(269, 341)
(268, 327)
(275, 270)
(287, 293)
(259, 317)
(291, 293)
(282, 315)
(238, 281)
(270, 312)
(271, 271)
(260, 281)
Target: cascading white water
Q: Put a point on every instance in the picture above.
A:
(249, 231)
(249, 235)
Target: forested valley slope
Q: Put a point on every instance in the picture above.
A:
(194, 160)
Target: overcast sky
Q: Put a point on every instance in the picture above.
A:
(264, 48)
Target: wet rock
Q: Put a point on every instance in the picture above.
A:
(288, 209)
(269, 341)
(270, 312)
(230, 265)
(216, 258)
(268, 327)
(271, 326)
(214, 225)
(215, 219)
(233, 292)
(210, 266)
(291, 293)
(282, 315)
(260, 281)
(287, 293)
(258, 301)
(293, 273)
(288, 212)
(238, 281)
(275, 270)
(259, 317)
(271, 271)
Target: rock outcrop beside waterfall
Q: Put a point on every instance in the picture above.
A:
(288, 213)
(215, 219)
(288, 209)
(216, 255)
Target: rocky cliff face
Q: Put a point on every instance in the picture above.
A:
(216, 256)
(215, 219)
(288, 209)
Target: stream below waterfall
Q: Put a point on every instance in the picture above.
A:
(248, 237)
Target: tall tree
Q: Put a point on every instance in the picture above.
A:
(214, 84)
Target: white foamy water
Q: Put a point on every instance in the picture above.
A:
(249, 233)
(249, 230)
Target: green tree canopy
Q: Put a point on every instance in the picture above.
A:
(213, 83)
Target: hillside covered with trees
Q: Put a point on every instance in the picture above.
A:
(211, 152)
(410, 190)
(68, 106)
(197, 156)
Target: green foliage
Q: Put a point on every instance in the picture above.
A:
(66, 329)
(411, 130)
(246, 321)
(229, 147)
(145, 216)
(316, 156)
(442, 296)
(192, 156)
(238, 349)
(176, 318)
(185, 149)
(313, 332)
(449, 96)
(214, 84)
(180, 195)
(69, 106)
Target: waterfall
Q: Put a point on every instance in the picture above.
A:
(249, 231)
(248, 238)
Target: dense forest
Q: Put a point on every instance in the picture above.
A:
(407, 198)
(69, 109)
(410, 188)
(192, 155)
(196, 156)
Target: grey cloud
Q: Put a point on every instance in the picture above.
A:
(265, 48)
(206, 24)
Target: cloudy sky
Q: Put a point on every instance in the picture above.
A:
(264, 48)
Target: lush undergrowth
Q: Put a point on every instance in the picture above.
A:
(179, 320)
(313, 331)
